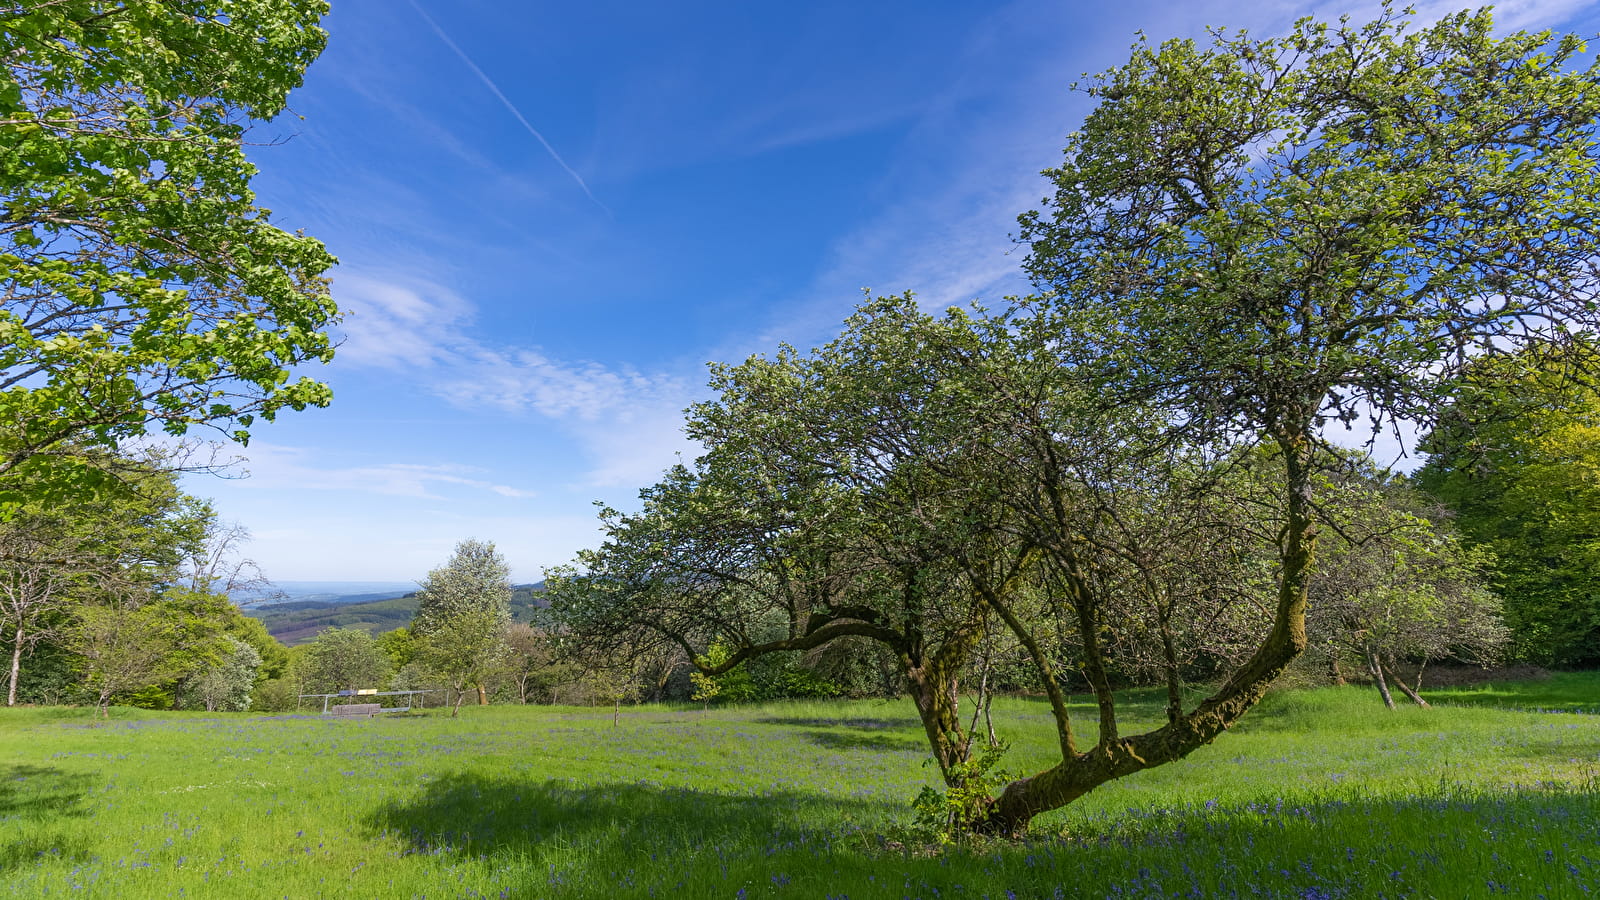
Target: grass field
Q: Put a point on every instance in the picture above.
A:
(1319, 794)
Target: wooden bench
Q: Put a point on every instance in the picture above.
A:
(356, 709)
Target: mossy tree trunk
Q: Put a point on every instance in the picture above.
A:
(1114, 756)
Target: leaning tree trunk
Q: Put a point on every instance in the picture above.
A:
(1375, 668)
(1115, 757)
(1394, 675)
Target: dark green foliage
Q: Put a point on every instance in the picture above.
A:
(775, 676)
(76, 566)
(275, 695)
(856, 668)
(1518, 461)
(50, 674)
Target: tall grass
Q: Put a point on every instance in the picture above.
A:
(1317, 794)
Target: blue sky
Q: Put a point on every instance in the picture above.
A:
(550, 217)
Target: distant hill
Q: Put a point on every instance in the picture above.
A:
(280, 592)
(299, 621)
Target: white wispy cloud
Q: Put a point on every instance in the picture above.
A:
(632, 449)
(528, 380)
(628, 422)
(275, 467)
(948, 239)
(398, 323)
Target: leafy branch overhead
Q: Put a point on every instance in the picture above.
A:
(141, 287)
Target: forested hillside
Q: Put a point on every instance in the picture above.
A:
(300, 621)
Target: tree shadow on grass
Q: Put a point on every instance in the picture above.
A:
(39, 794)
(552, 838)
(475, 815)
(41, 791)
(15, 854)
(876, 743)
(1581, 751)
(864, 724)
(1564, 692)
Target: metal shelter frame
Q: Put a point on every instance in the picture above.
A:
(371, 693)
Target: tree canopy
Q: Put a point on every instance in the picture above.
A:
(1324, 226)
(341, 659)
(921, 483)
(463, 610)
(1271, 235)
(141, 287)
(1245, 243)
(74, 570)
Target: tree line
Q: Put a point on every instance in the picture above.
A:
(124, 596)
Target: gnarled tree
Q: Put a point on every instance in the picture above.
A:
(1278, 234)
(1245, 243)
(923, 482)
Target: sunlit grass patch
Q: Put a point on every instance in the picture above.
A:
(1559, 692)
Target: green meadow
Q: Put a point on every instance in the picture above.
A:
(1318, 794)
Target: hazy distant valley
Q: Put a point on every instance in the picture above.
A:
(312, 607)
(325, 591)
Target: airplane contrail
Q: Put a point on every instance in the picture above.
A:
(489, 83)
